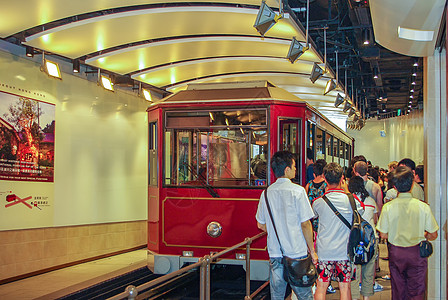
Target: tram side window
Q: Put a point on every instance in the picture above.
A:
(320, 144)
(152, 139)
(329, 143)
(216, 155)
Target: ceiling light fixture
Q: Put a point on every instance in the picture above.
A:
(147, 94)
(339, 100)
(316, 73)
(76, 66)
(50, 67)
(29, 51)
(347, 106)
(351, 112)
(105, 81)
(295, 50)
(366, 37)
(266, 18)
(331, 85)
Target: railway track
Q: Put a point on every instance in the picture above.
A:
(227, 282)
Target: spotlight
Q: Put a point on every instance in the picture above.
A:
(50, 67)
(105, 82)
(331, 85)
(412, 90)
(347, 106)
(266, 18)
(339, 100)
(351, 112)
(413, 83)
(29, 51)
(316, 73)
(76, 66)
(146, 94)
(375, 73)
(366, 37)
(295, 50)
(411, 96)
(415, 63)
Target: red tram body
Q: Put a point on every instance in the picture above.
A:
(209, 152)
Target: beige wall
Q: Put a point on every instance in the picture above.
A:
(404, 139)
(100, 181)
(30, 250)
(101, 144)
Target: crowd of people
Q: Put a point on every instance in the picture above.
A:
(392, 201)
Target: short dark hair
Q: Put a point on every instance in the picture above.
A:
(333, 173)
(404, 178)
(280, 160)
(318, 167)
(391, 179)
(356, 186)
(373, 172)
(419, 170)
(360, 168)
(408, 163)
(309, 153)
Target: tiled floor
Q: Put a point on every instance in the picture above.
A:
(58, 283)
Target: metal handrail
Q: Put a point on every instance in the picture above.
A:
(131, 291)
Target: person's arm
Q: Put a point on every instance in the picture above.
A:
(261, 226)
(307, 230)
(307, 187)
(378, 198)
(431, 236)
(384, 235)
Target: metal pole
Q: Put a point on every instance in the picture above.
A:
(249, 241)
(207, 278)
(202, 280)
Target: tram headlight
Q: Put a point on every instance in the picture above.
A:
(214, 229)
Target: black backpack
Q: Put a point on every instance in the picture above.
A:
(361, 242)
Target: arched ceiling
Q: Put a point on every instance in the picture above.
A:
(168, 45)
(171, 44)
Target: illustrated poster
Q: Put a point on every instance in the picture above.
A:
(27, 130)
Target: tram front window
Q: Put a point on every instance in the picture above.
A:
(215, 156)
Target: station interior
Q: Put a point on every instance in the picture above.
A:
(85, 213)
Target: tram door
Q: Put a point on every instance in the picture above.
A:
(290, 140)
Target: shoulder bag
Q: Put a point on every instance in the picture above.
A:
(297, 272)
(425, 248)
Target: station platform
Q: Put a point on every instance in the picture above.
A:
(59, 283)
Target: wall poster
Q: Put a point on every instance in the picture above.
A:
(27, 131)
(26, 139)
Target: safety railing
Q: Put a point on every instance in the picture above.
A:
(131, 291)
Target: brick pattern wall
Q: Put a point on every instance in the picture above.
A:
(31, 250)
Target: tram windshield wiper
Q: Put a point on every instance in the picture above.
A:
(203, 181)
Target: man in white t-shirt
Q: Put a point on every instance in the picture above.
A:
(291, 212)
(332, 235)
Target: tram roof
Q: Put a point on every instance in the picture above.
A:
(231, 91)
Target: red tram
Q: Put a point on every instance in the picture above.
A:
(209, 151)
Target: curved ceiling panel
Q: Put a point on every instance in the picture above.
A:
(172, 74)
(77, 39)
(45, 11)
(131, 59)
(418, 18)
